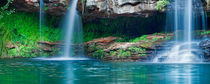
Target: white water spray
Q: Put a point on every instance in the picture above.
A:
(186, 15)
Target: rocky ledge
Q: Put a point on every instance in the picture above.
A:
(90, 8)
(139, 49)
(96, 8)
(205, 46)
(111, 8)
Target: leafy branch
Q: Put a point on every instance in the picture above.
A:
(4, 9)
(161, 5)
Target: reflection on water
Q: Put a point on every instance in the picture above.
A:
(26, 71)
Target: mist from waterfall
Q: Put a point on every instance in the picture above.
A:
(182, 18)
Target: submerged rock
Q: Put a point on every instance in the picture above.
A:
(205, 46)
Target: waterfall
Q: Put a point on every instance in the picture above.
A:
(73, 32)
(41, 15)
(73, 38)
(183, 17)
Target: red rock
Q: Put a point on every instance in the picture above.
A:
(48, 43)
(46, 49)
(104, 40)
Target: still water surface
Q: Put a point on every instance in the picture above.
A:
(30, 71)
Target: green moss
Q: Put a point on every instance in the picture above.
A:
(140, 38)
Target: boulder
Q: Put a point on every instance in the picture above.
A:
(205, 46)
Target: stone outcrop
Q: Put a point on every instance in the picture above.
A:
(208, 5)
(108, 8)
(96, 8)
(47, 46)
(53, 7)
(205, 46)
(109, 49)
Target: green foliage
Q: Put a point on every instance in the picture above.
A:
(4, 39)
(99, 54)
(25, 29)
(137, 49)
(83, 1)
(168, 38)
(24, 32)
(4, 32)
(4, 10)
(120, 53)
(161, 5)
(140, 38)
(22, 51)
(113, 53)
(205, 32)
(123, 54)
(46, 8)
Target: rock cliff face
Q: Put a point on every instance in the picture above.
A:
(108, 8)
(208, 5)
(53, 7)
(96, 8)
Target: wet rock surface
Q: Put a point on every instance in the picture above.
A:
(205, 46)
(49, 47)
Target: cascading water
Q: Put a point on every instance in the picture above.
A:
(73, 39)
(183, 16)
(41, 15)
(73, 32)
